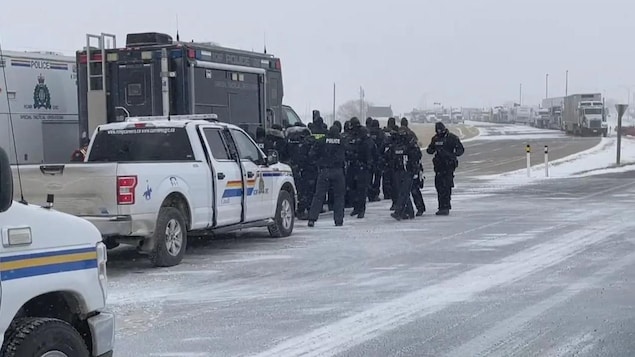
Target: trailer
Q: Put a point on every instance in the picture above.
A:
(521, 115)
(40, 96)
(154, 75)
(584, 115)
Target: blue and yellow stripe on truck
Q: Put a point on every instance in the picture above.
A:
(235, 188)
(44, 263)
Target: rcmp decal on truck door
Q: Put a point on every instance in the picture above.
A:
(256, 186)
(51, 262)
(235, 188)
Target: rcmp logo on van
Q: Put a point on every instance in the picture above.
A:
(41, 94)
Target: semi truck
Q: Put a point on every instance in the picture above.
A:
(554, 106)
(584, 115)
(521, 115)
(39, 99)
(154, 75)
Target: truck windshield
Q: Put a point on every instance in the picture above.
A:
(289, 117)
(141, 144)
(593, 111)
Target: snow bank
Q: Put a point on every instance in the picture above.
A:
(597, 160)
(516, 132)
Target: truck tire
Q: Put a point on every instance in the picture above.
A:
(284, 218)
(170, 238)
(37, 336)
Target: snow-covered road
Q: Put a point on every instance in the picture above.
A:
(531, 268)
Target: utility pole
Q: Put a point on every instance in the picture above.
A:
(334, 115)
(520, 96)
(361, 103)
(547, 86)
(566, 83)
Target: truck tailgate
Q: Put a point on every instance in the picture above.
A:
(81, 189)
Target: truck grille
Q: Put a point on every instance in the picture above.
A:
(595, 124)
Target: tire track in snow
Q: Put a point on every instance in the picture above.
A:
(344, 334)
(501, 334)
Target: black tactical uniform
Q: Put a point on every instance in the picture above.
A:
(299, 141)
(446, 147)
(347, 136)
(378, 137)
(360, 159)
(406, 157)
(329, 152)
(390, 130)
(272, 139)
(330, 199)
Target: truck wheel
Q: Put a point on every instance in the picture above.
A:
(170, 238)
(44, 337)
(284, 218)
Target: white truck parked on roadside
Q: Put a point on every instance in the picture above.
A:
(151, 180)
(53, 281)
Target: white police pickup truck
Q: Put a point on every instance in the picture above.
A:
(151, 180)
(53, 281)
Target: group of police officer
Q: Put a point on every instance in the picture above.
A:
(347, 165)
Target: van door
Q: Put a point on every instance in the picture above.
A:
(252, 160)
(227, 180)
(135, 89)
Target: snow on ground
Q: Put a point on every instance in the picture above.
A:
(597, 160)
(490, 131)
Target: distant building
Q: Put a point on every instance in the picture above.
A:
(379, 112)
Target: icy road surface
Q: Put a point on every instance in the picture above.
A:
(544, 269)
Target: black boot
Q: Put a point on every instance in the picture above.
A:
(311, 223)
(361, 214)
(443, 212)
(420, 212)
(395, 216)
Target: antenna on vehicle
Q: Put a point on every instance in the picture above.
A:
(178, 38)
(3, 64)
(265, 41)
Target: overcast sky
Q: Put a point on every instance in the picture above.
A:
(404, 53)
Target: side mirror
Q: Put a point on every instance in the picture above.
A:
(6, 182)
(272, 159)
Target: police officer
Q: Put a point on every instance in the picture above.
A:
(405, 157)
(389, 131)
(330, 154)
(80, 154)
(337, 126)
(447, 147)
(299, 141)
(360, 160)
(378, 137)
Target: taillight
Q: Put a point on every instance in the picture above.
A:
(140, 125)
(191, 54)
(278, 64)
(125, 189)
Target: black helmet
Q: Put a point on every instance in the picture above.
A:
(355, 123)
(275, 132)
(298, 132)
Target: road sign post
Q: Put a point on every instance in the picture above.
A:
(621, 109)
(546, 161)
(528, 151)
